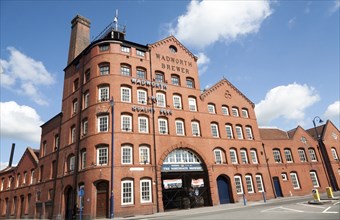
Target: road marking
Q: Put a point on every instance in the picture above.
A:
(314, 206)
(281, 207)
(325, 211)
(336, 203)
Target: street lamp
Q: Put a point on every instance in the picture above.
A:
(112, 158)
(316, 131)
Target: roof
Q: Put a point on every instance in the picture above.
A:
(273, 134)
(319, 129)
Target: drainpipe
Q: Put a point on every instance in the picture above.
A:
(11, 156)
(270, 175)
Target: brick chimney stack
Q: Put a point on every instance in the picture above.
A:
(80, 37)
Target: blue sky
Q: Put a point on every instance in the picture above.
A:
(283, 55)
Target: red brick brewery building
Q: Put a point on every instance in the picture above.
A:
(173, 145)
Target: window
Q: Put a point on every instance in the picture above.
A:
(125, 49)
(244, 157)
(141, 74)
(126, 154)
(302, 155)
(85, 127)
(238, 184)
(312, 154)
(87, 76)
(126, 123)
(181, 156)
(190, 83)
(141, 97)
(83, 159)
(32, 177)
(104, 47)
(143, 125)
(249, 133)
(234, 110)
(140, 53)
(218, 156)
(104, 69)
(225, 110)
(56, 141)
(277, 156)
(144, 154)
(239, 132)
(175, 80)
(334, 154)
(295, 180)
(177, 101)
(288, 155)
(259, 183)
(172, 49)
(18, 180)
(125, 94)
(229, 131)
(244, 113)
(249, 182)
(179, 127)
(160, 99)
(102, 155)
(192, 104)
(163, 126)
(233, 156)
(159, 77)
(86, 99)
(44, 147)
(314, 179)
(41, 173)
(24, 178)
(195, 128)
(53, 169)
(211, 108)
(145, 191)
(103, 123)
(75, 84)
(253, 156)
(284, 176)
(2, 184)
(73, 134)
(71, 163)
(127, 192)
(125, 70)
(214, 130)
(74, 106)
(103, 93)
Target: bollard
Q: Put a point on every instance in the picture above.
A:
(264, 197)
(329, 192)
(244, 199)
(316, 195)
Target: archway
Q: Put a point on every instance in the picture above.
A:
(102, 196)
(68, 202)
(224, 189)
(185, 181)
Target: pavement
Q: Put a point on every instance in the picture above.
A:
(231, 206)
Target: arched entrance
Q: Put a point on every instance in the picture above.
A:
(68, 202)
(102, 196)
(224, 189)
(185, 181)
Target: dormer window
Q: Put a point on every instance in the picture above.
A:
(140, 53)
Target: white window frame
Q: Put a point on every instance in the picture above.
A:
(104, 69)
(218, 156)
(234, 112)
(211, 108)
(229, 131)
(302, 155)
(83, 159)
(214, 130)
(277, 156)
(314, 178)
(295, 180)
(141, 73)
(249, 133)
(143, 124)
(125, 49)
(253, 156)
(103, 93)
(73, 134)
(175, 80)
(312, 155)
(71, 163)
(144, 154)
(125, 94)
(259, 183)
(32, 177)
(238, 184)
(161, 102)
(102, 156)
(192, 104)
(244, 113)
(127, 197)
(75, 106)
(233, 156)
(125, 70)
(179, 124)
(85, 127)
(103, 123)
(249, 183)
(140, 53)
(163, 129)
(126, 123)
(126, 158)
(86, 99)
(195, 128)
(177, 101)
(288, 156)
(284, 176)
(244, 157)
(142, 96)
(239, 132)
(145, 191)
(334, 154)
(225, 110)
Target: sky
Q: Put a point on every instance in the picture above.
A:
(283, 55)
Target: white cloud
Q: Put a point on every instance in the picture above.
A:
(291, 22)
(19, 122)
(289, 102)
(335, 7)
(206, 22)
(333, 111)
(202, 62)
(3, 165)
(24, 75)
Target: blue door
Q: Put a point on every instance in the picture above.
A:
(277, 187)
(223, 189)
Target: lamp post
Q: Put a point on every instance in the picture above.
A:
(112, 158)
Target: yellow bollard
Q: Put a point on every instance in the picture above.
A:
(329, 192)
(316, 195)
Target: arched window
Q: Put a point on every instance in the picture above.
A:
(192, 104)
(295, 180)
(177, 101)
(141, 73)
(219, 155)
(244, 157)
(190, 82)
(253, 156)
(145, 191)
(244, 113)
(233, 156)
(288, 155)
(175, 80)
(239, 132)
(163, 125)
(211, 108)
(314, 178)
(225, 110)
(235, 111)
(312, 154)
(125, 94)
(181, 156)
(144, 154)
(159, 77)
(302, 155)
(143, 124)
(127, 154)
(334, 153)
(195, 128)
(229, 131)
(125, 70)
(238, 184)
(127, 190)
(249, 133)
(103, 93)
(104, 68)
(214, 129)
(277, 156)
(259, 183)
(142, 96)
(126, 123)
(161, 99)
(102, 155)
(103, 123)
(249, 182)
